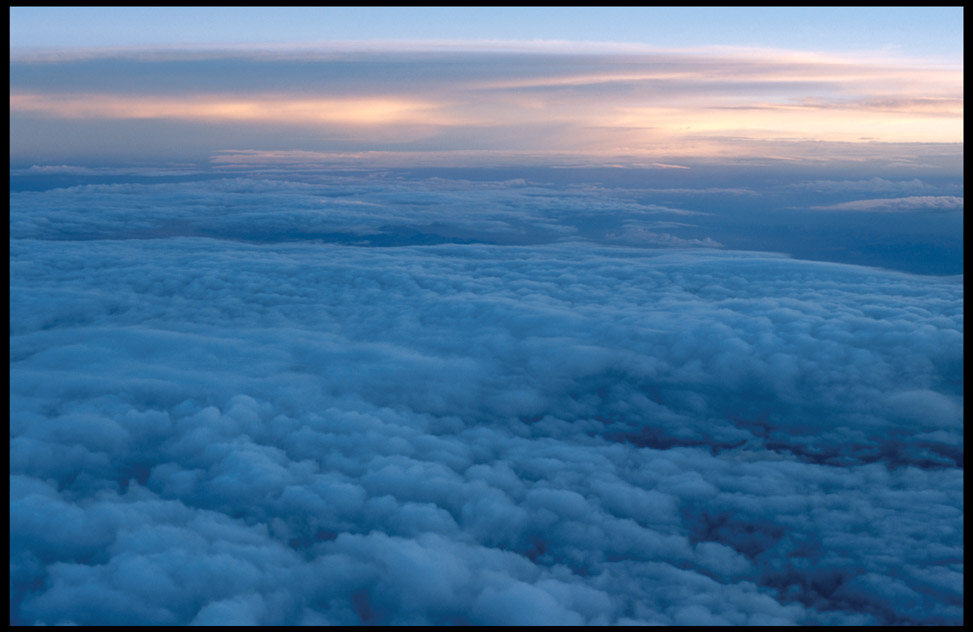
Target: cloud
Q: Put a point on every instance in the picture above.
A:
(277, 108)
(920, 203)
(875, 184)
(647, 106)
(920, 106)
(350, 210)
(639, 235)
(210, 425)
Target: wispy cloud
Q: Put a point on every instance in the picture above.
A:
(275, 108)
(926, 203)
(636, 235)
(640, 104)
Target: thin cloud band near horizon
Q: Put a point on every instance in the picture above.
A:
(454, 99)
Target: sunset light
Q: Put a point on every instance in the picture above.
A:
(487, 316)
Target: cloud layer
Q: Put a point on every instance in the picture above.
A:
(356, 210)
(607, 106)
(220, 416)
(927, 203)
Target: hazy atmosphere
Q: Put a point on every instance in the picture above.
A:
(489, 316)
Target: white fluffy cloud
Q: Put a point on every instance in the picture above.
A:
(208, 426)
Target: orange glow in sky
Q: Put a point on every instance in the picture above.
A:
(648, 105)
(364, 111)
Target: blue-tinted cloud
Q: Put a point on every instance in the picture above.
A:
(926, 203)
(352, 210)
(227, 407)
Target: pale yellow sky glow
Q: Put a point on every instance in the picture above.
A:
(793, 122)
(367, 111)
(648, 105)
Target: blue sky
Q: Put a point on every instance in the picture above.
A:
(914, 31)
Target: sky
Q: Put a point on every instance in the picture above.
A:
(486, 316)
(916, 31)
(505, 84)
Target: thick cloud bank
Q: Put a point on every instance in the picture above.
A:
(209, 427)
